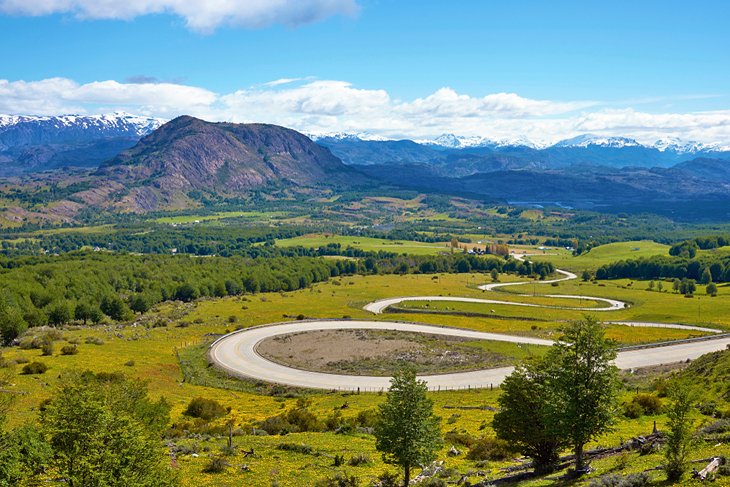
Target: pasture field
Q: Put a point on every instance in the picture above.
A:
(250, 215)
(154, 353)
(366, 243)
(603, 254)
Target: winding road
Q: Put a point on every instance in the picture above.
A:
(236, 353)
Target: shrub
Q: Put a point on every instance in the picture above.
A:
(642, 404)
(489, 448)
(708, 408)
(719, 426)
(433, 482)
(129, 363)
(459, 438)
(615, 480)
(275, 425)
(94, 341)
(359, 459)
(37, 337)
(217, 464)
(339, 480)
(387, 479)
(204, 408)
(632, 410)
(35, 368)
(302, 448)
(47, 349)
(650, 403)
(367, 418)
(69, 350)
(295, 420)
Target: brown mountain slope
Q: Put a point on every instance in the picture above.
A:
(228, 159)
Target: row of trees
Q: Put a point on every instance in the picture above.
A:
(689, 248)
(705, 269)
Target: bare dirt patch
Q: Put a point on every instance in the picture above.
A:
(380, 352)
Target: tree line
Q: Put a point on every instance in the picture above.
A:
(92, 286)
(689, 248)
(704, 268)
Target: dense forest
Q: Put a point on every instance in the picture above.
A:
(89, 286)
(705, 268)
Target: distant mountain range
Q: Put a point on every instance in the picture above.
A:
(450, 149)
(142, 164)
(31, 144)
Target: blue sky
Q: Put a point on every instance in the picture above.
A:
(568, 61)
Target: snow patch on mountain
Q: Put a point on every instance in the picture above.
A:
(673, 144)
(364, 136)
(588, 140)
(117, 122)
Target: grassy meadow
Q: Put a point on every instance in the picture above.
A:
(154, 354)
(366, 243)
(603, 254)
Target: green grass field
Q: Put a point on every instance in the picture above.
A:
(152, 355)
(603, 254)
(252, 215)
(366, 243)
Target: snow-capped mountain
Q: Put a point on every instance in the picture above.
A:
(588, 140)
(683, 147)
(451, 141)
(20, 130)
(342, 136)
(37, 143)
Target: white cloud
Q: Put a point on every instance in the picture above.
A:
(322, 106)
(60, 95)
(199, 15)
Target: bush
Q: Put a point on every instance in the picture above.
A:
(642, 404)
(302, 448)
(217, 464)
(206, 409)
(433, 482)
(708, 408)
(632, 410)
(387, 479)
(69, 350)
(339, 480)
(35, 368)
(719, 426)
(359, 459)
(47, 349)
(489, 448)
(367, 418)
(650, 403)
(295, 420)
(37, 337)
(459, 438)
(94, 341)
(615, 480)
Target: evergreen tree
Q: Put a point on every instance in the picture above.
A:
(680, 437)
